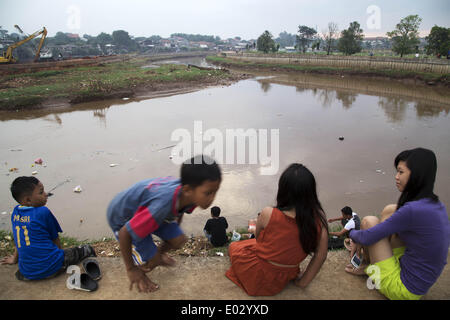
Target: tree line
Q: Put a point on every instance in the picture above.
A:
(96, 45)
(404, 39)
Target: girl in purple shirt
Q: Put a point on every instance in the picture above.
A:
(408, 247)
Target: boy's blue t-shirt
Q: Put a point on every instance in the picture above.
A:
(34, 230)
(145, 206)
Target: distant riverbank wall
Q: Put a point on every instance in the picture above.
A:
(347, 62)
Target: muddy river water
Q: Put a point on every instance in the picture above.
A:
(301, 118)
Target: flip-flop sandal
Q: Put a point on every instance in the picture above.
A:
(86, 283)
(92, 268)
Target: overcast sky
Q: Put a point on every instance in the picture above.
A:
(224, 18)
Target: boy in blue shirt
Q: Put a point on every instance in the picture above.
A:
(156, 206)
(35, 229)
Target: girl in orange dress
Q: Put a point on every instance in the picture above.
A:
(285, 235)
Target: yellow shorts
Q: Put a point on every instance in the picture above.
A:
(388, 274)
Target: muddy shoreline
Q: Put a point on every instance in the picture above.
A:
(141, 92)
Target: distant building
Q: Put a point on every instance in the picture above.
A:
(73, 36)
(289, 49)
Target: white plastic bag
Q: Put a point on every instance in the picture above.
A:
(236, 236)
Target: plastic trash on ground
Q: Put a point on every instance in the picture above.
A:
(77, 189)
(236, 236)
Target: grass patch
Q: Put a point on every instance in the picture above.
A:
(93, 82)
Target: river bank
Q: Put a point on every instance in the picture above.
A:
(134, 77)
(203, 278)
(405, 76)
(187, 281)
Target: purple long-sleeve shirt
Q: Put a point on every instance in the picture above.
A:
(423, 226)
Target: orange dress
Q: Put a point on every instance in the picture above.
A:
(277, 242)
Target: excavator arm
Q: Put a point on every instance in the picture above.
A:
(8, 56)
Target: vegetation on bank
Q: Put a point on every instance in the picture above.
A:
(102, 81)
(109, 247)
(393, 74)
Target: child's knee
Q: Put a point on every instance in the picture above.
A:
(369, 221)
(388, 211)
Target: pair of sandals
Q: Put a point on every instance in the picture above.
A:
(88, 279)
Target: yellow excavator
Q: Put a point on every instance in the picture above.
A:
(8, 56)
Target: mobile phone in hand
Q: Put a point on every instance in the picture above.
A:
(355, 261)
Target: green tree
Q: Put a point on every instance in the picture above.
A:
(122, 39)
(405, 36)
(286, 39)
(438, 41)
(61, 38)
(104, 38)
(265, 42)
(305, 37)
(351, 38)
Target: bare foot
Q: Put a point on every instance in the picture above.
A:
(167, 260)
(356, 271)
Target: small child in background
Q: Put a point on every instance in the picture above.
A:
(216, 228)
(35, 229)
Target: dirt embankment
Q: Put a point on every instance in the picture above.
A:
(404, 77)
(200, 275)
(203, 278)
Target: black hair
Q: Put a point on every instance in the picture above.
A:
(199, 169)
(423, 166)
(215, 211)
(347, 211)
(297, 189)
(23, 186)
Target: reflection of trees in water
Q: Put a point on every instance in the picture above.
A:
(265, 86)
(55, 118)
(347, 98)
(425, 109)
(394, 108)
(325, 96)
(101, 114)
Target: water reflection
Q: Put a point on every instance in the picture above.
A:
(347, 98)
(394, 97)
(53, 118)
(265, 86)
(394, 108)
(427, 110)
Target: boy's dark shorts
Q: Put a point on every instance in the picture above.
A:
(72, 256)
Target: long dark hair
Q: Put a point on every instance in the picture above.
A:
(297, 189)
(423, 166)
